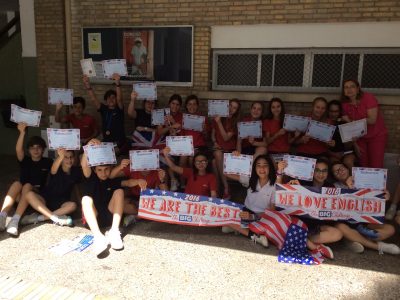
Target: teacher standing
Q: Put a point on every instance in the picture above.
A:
(359, 105)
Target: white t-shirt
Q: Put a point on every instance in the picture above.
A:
(261, 200)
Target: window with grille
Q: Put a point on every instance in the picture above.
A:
(306, 69)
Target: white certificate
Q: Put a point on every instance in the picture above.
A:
(218, 108)
(145, 90)
(352, 130)
(158, 116)
(293, 123)
(69, 139)
(250, 129)
(320, 131)
(88, 67)
(23, 115)
(193, 122)
(143, 160)
(114, 66)
(369, 178)
(180, 145)
(103, 154)
(238, 164)
(300, 167)
(64, 96)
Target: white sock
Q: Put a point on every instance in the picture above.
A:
(54, 218)
(16, 217)
(3, 214)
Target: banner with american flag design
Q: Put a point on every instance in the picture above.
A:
(186, 209)
(364, 205)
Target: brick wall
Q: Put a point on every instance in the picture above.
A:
(200, 13)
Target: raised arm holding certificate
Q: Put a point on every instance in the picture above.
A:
(144, 160)
(64, 96)
(158, 116)
(114, 66)
(193, 122)
(180, 145)
(369, 178)
(320, 131)
(299, 167)
(145, 90)
(293, 123)
(103, 154)
(23, 115)
(88, 67)
(250, 129)
(352, 130)
(68, 139)
(238, 164)
(218, 108)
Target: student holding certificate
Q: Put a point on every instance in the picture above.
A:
(223, 136)
(362, 235)
(307, 146)
(319, 232)
(112, 114)
(200, 180)
(199, 137)
(103, 203)
(34, 169)
(340, 151)
(253, 146)
(142, 116)
(277, 138)
(55, 203)
(359, 105)
(260, 195)
(78, 119)
(172, 126)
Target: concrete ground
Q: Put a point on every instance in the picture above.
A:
(163, 261)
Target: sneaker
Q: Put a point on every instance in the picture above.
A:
(100, 245)
(325, 251)
(30, 219)
(174, 185)
(227, 229)
(355, 247)
(12, 227)
(128, 220)
(391, 212)
(260, 239)
(114, 237)
(3, 223)
(64, 221)
(388, 248)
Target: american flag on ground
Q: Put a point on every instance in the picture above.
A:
(282, 230)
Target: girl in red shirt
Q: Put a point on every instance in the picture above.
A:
(200, 180)
(276, 137)
(307, 146)
(199, 138)
(359, 105)
(253, 146)
(223, 135)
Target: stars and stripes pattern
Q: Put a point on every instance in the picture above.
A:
(288, 234)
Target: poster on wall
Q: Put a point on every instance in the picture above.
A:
(94, 42)
(138, 52)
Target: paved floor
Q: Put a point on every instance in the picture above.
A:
(163, 261)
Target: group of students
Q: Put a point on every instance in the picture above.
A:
(109, 192)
